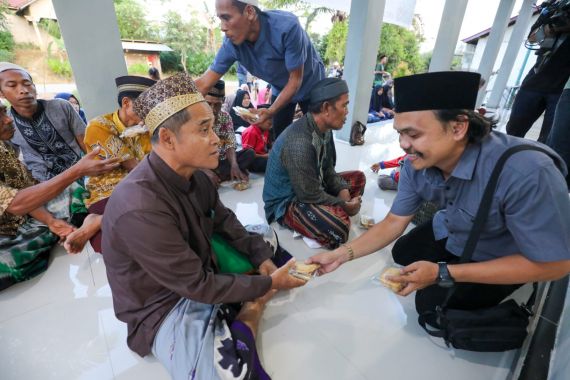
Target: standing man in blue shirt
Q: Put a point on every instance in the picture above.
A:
(451, 153)
(272, 46)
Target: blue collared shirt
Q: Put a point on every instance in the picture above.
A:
(282, 46)
(530, 213)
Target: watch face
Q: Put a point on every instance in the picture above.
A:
(444, 279)
(445, 283)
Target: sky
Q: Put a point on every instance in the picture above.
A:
(478, 16)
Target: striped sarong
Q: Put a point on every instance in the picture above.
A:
(327, 224)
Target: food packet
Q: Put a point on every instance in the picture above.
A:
(134, 131)
(245, 112)
(241, 185)
(390, 270)
(304, 271)
(367, 221)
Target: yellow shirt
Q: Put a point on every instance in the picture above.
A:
(105, 131)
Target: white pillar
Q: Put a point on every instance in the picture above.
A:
(518, 35)
(361, 50)
(448, 35)
(93, 43)
(494, 42)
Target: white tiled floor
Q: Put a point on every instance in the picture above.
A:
(61, 325)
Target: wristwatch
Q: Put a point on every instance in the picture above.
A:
(444, 278)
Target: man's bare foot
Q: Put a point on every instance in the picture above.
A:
(251, 312)
(75, 241)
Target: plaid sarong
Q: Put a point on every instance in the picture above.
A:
(25, 255)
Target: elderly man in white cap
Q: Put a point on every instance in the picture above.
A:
(272, 46)
(48, 133)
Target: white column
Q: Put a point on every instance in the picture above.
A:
(520, 30)
(93, 43)
(361, 50)
(494, 42)
(448, 35)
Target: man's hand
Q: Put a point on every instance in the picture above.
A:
(375, 167)
(353, 206)
(60, 228)
(418, 275)
(344, 194)
(267, 267)
(213, 177)
(237, 174)
(329, 261)
(282, 280)
(263, 114)
(90, 165)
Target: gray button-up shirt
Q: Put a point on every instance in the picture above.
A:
(530, 213)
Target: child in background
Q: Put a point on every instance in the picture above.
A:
(385, 181)
(256, 137)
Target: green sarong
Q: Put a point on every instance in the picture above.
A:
(25, 255)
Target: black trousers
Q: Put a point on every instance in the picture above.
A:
(527, 108)
(420, 244)
(244, 160)
(284, 116)
(258, 165)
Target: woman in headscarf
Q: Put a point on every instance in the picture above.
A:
(242, 100)
(74, 102)
(381, 105)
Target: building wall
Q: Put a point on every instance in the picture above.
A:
(41, 9)
(522, 63)
(23, 31)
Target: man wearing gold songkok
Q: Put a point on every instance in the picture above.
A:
(166, 281)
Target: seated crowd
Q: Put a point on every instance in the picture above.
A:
(154, 165)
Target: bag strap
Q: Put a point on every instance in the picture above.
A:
(485, 206)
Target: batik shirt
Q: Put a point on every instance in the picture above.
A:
(48, 141)
(224, 129)
(105, 131)
(13, 177)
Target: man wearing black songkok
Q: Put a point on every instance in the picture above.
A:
(302, 190)
(452, 151)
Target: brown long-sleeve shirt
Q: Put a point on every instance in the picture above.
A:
(157, 229)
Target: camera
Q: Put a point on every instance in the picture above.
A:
(554, 15)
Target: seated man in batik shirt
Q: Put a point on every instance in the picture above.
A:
(49, 135)
(27, 230)
(233, 165)
(118, 135)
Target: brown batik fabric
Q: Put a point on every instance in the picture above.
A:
(13, 177)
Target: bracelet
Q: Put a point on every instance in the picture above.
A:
(350, 252)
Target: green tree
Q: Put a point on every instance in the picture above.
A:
(186, 38)
(401, 45)
(132, 22)
(336, 42)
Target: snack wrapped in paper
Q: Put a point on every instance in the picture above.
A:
(241, 186)
(245, 112)
(393, 286)
(304, 271)
(366, 221)
(134, 131)
(126, 157)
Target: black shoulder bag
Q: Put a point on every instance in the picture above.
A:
(498, 328)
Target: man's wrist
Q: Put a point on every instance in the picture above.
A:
(348, 254)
